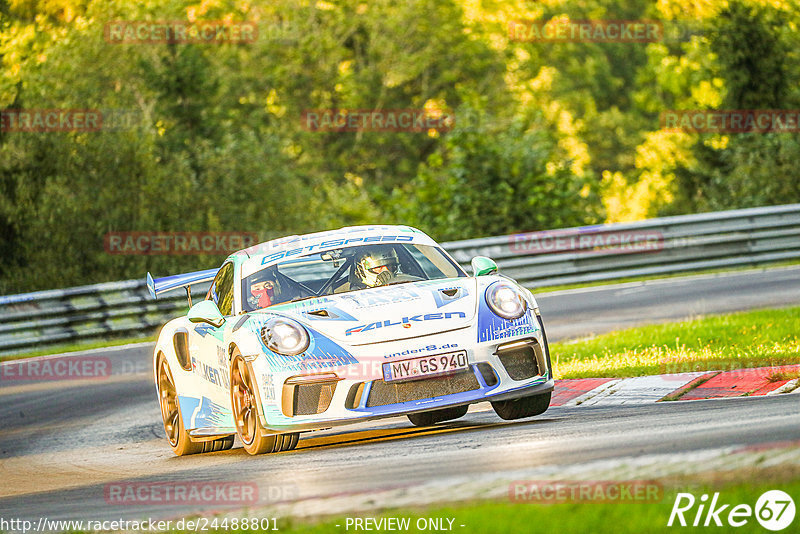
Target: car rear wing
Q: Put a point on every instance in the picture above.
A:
(168, 283)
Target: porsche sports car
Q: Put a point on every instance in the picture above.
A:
(308, 332)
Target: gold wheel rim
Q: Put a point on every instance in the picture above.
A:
(244, 401)
(168, 399)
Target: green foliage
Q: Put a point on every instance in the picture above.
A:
(751, 54)
(746, 60)
(485, 182)
(547, 134)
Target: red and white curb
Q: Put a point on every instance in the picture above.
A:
(681, 386)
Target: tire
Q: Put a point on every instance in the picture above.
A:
(221, 444)
(178, 437)
(437, 416)
(524, 407)
(244, 407)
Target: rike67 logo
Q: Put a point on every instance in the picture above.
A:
(774, 510)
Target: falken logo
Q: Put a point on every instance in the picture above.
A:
(406, 322)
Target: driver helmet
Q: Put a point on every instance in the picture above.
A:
(373, 262)
(264, 291)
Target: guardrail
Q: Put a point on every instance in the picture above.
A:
(668, 245)
(86, 313)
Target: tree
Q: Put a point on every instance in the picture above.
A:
(494, 181)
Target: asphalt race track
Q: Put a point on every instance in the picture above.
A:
(62, 442)
(579, 312)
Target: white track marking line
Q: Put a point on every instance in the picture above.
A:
(661, 281)
(101, 350)
(642, 389)
(580, 399)
(788, 387)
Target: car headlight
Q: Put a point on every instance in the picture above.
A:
(506, 300)
(284, 336)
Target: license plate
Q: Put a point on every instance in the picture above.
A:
(425, 366)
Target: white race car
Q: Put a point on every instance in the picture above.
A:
(307, 332)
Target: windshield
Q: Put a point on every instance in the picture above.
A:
(345, 269)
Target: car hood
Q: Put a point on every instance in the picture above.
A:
(389, 313)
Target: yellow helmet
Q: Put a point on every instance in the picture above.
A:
(375, 261)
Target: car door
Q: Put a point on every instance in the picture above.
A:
(209, 357)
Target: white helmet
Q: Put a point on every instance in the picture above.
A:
(374, 262)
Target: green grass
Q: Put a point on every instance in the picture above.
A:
(733, 341)
(784, 375)
(492, 517)
(563, 287)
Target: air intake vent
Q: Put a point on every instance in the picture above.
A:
(521, 361)
(384, 393)
(307, 398)
(181, 343)
(488, 374)
(354, 396)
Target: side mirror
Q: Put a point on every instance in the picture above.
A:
(206, 311)
(481, 266)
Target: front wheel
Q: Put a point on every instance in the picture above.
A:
(176, 432)
(254, 436)
(524, 407)
(437, 416)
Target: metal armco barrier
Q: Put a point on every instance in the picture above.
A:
(666, 245)
(86, 313)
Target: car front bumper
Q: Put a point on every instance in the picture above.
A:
(492, 376)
